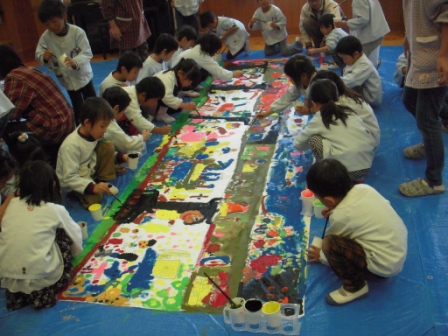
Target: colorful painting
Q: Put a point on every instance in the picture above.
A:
(220, 197)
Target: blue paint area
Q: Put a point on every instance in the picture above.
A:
(143, 276)
(212, 143)
(202, 156)
(181, 171)
(223, 259)
(226, 150)
(211, 176)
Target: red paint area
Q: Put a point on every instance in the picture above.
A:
(212, 248)
(115, 241)
(262, 263)
(225, 107)
(259, 243)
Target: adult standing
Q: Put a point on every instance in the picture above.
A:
(186, 13)
(128, 27)
(369, 25)
(426, 44)
(309, 26)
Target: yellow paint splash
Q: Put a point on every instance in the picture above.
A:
(155, 228)
(166, 269)
(197, 171)
(249, 167)
(201, 288)
(223, 211)
(192, 148)
(167, 214)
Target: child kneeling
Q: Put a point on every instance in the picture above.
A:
(366, 237)
(37, 240)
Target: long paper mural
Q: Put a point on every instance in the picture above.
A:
(219, 196)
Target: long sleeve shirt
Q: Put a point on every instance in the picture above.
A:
(123, 142)
(187, 7)
(134, 112)
(274, 14)
(170, 82)
(332, 39)
(368, 23)
(236, 40)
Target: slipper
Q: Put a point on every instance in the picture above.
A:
(419, 187)
(340, 296)
(119, 170)
(415, 152)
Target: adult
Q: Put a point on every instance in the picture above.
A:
(38, 100)
(186, 13)
(309, 27)
(426, 44)
(128, 27)
(369, 25)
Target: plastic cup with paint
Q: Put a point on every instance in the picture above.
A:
(96, 211)
(61, 60)
(299, 103)
(113, 189)
(307, 197)
(83, 226)
(252, 309)
(318, 207)
(317, 242)
(268, 25)
(133, 160)
(324, 66)
(235, 316)
(271, 311)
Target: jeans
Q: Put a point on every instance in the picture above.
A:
(285, 49)
(425, 105)
(79, 96)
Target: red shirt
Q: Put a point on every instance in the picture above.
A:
(128, 15)
(39, 100)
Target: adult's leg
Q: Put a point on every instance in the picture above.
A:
(313, 30)
(77, 101)
(372, 50)
(290, 49)
(142, 51)
(88, 90)
(192, 21)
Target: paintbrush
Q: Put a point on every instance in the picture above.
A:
(233, 305)
(200, 116)
(325, 227)
(116, 198)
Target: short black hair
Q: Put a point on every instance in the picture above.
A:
(206, 18)
(298, 65)
(188, 32)
(329, 177)
(326, 20)
(210, 43)
(28, 149)
(190, 69)
(152, 87)
(165, 41)
(95, 109)
(129, 60)
(49, 9)
(115, 95)
(38, 183)
(10, 60)
(7, 164)
(348, 45)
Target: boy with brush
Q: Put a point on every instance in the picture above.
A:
(366, 237)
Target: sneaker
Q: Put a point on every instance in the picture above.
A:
(341, 296)
(419, 187)
(415, 152)
(165, 117)
(191, 94)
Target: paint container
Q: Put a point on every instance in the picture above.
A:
(271, 311)
(113, 189)
(252, 310)
(133, 160)
(299, 103)
(235, 317)
(96, 211)
(322, 58)
(324, 66)
(83, 226)
(268, 25)
(61, 60)
(307, 198)
(318, 207)
(317, 242)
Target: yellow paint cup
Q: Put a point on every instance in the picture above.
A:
(96, 211)
(271, 311)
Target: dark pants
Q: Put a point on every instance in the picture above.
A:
(348, 260)
(79, 96)
(425, 105)
(4, 122)
(312, 28)
(191, 20)
(141, 50)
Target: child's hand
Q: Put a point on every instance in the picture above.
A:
(189, 106)
(274, 25)
(313, 254)
(125, 158)
(70, 62)
(252, 21)
(237, 74)
(146, 135)
(302, 109)
(263, 114)
(340, 24)
(310, 51)
(101, 188)
(326, 212)
(47, 55)
(163, 130)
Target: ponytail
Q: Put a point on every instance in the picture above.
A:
(331, 112)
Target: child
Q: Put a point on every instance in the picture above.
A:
(119, 100)
(359, 74)
(186, 39)
(232, 32)
(336, 132)
(65, 47)
(84, 157)
(272, 22)
(128, 67)
(164, 48)
(7, 170)
(25, 147)
(145, 93)
(332, 37)
(208, 45)
(186, 13)
(37, 241)
(354, 101)
(6, 108)
(182, 75)
(366, 237)
(300, 71)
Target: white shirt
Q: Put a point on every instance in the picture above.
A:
(274, 14)
(363, 73)
(30, 258)
(368, 218)
(108, 82)
(368, 23)
(76, 162)
(289, 97)
(169, 80)
(332, 39)
(134, 113)
(352, 145)
(402, 62)
(236, 41)
(187, 7)
(76, 46)
(205, 62)
(150, 68)
(5, 104)
(169, 64)
(123, 142)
